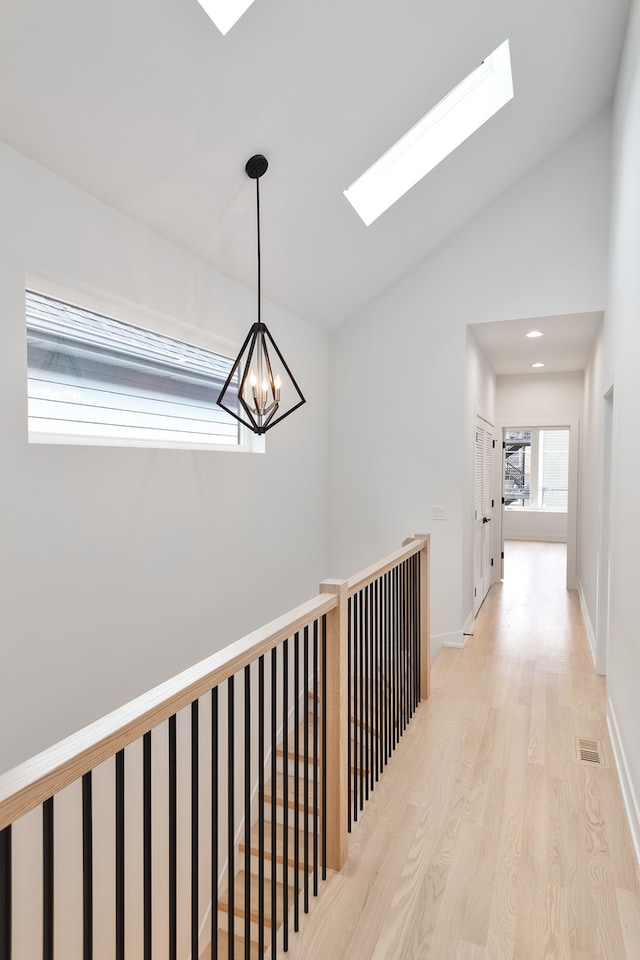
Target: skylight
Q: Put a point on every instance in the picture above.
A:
(225, 13)
(445, 127)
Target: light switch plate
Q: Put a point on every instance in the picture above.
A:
(439, 513)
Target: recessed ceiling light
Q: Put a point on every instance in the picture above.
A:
(445, 127)
(537, 364)
(225, 13)
(535, 333)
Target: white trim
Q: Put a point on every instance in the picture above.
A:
(573, 423)
(631, 805)
(605, 581)
(586, 616)
(456, 639)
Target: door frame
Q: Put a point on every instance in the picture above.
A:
(604, 579)
(573, 424)
(482, 422)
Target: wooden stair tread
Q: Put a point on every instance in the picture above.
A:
(291, 794)
(290, 750)
(239, 904)
(223, 948)
(254, 844)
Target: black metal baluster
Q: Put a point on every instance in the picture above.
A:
(349, 709)
(120, 892)
(401, 634)
(389, 665)
(395, 657)
(47, 879)
(372, 681)
(399, 652)
(195, 817)
(296, 782)
(247, 812)
(367, 674)
(382, 671)
(173, 841)
(285, 797)
(406, 566)
(415, 604)
(403, 627)
(87, 869)
(418, 618)
(274, 801)
(231, 848)
(390, 649)
(146, 843)
(261, 806)
(407, 641)
(418, 621)
(361, 701)
(316, 759)
(399, 655)
(215, 786)
(323, 713)
(410, 596)
(5, 893)
(306, 768)
(353, 718)
(377, 673)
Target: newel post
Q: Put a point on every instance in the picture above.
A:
(337, 726)
(425, 615)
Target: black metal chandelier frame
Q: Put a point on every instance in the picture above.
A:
(259, 390)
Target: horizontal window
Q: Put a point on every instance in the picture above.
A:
(94, 379)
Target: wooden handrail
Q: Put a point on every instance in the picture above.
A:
(34, 781)
(369, 574)
(28, 785)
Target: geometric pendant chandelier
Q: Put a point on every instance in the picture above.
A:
(267, 391)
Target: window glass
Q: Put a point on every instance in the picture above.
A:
(94, 379)
(536, 469)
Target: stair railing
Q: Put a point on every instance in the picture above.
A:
(196, 818)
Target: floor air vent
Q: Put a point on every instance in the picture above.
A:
(589, 751)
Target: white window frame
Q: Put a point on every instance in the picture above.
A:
(154, 322)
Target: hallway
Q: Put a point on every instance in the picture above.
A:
(487, 839)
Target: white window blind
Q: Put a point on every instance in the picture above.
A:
(554, 469)
(98, 380)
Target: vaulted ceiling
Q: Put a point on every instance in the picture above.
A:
(145, 105)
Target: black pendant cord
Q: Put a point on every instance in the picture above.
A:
(259, 251)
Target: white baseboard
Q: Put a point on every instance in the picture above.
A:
(455, 639)
(587, 622)
(628, 793)
(515, 535)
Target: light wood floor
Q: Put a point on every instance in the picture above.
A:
(486, 839)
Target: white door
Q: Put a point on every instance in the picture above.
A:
(482, 511)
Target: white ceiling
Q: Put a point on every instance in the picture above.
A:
(564, 348)
(144, 104)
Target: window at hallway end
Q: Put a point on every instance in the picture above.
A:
(93, 379)
(536, 469)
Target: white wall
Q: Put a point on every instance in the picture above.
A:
(397, 420)
(121, 566)
(547, 525)
(543, 395)
(621, 361)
